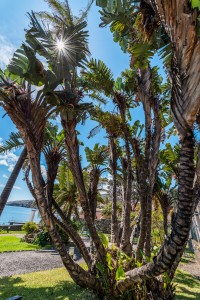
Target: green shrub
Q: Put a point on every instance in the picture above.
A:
(42, 239)
(63, 235)
(30, 227)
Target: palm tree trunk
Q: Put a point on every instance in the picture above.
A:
(92, 198)
(126, 233)
(28, 182)
(11, 181)
(113, 167)
(73, 234)
(143, 221)
(153, 164)
(78, 274)
(135, 229)
(173, 245)
(74, 160)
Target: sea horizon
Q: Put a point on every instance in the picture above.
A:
(18, 214)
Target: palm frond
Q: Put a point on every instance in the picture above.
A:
(99, 77)
(141, 54)
(97, 96)
(165, 53)
(25, 65)
(97, 156)
(84, 13)
(14, 142)
(74, 40)
(61, 9)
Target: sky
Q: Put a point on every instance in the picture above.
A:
(13, 20)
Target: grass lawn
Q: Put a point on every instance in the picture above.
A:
(51, 285)
(188, 287)
(13, 243)
(57, 285)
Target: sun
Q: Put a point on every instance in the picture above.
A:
(60, 45)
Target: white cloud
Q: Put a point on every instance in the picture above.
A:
(14, 187)
(44, 172)
(1, 140)
(17, 187)
(6, 51)
(3, 162)
(5, 176)
(11, 167)
(9, 160)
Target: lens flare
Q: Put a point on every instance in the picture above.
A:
(60, 45)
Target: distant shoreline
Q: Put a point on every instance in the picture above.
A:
(23, 203)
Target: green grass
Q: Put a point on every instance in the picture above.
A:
(57, 285)
(13, 243)
(52, 285)
(188, 287)
(12, 232)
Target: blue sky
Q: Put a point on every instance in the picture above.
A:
(13, 20)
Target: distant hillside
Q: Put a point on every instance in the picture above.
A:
(23, 203)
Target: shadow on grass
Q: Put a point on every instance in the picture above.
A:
(64, 290)
(187, 260)
(188, 286)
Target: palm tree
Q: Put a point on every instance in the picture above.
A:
(101, 80)
(30, 116)
(185, 106)
(13, 142)
(97, 159)
(112, 124)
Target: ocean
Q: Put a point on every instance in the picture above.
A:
(17, 214)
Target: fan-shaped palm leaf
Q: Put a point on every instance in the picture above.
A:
(99, 77)
(15, 141)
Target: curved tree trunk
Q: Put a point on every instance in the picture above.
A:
(75, 165)
(11, 181)
(79, 275)
(173, 245)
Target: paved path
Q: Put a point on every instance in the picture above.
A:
(12, 263)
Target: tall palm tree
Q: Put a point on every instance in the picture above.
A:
(112, 124)
(30, 115)
(101, 80)
(13, 142)
(97, 159)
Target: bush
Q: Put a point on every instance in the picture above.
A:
(30, 227)
(42, 238)
(63, 235)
